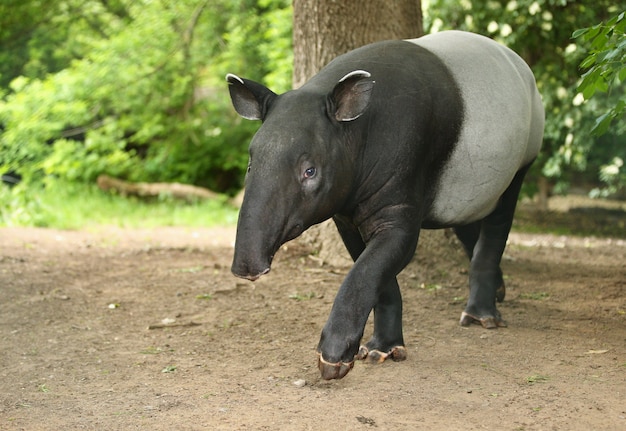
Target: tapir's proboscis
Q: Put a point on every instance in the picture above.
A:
(393, 137)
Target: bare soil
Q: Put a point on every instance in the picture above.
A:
(147, 329)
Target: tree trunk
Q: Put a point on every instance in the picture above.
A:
(324, 29)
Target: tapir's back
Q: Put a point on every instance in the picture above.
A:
(502, 126)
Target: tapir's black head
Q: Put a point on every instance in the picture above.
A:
(300, 169)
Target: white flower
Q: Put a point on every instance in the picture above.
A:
(534, 8)
(578, 99)
(569, 122)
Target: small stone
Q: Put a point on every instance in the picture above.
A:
(300, 383)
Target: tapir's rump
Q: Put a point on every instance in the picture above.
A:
(388, 139)
(503, 122)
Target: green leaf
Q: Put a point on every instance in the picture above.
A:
(602, 124)
(578, 33)
(588, 62)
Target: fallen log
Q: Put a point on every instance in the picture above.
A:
(146, 190)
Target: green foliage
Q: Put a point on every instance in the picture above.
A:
(605, 70)
(70, 205)
(605, 65)
(540, 31)
(135, 89)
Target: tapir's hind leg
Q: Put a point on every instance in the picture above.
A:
(387, 340)
(486, 282)
(468, 235)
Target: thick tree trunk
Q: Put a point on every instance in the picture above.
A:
(324, 29)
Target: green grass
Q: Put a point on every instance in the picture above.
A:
(64, 205)
(75, 206)
(535, 296)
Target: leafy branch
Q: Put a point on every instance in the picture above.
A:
(605, 65)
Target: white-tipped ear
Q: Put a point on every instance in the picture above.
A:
(231, 76)
(250, 99)
(359, 73)
(351, 95)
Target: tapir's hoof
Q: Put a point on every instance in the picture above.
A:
(489, 322)
(396, 354)
(333, 370)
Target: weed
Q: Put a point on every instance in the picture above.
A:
(431, 287)
(536, 296)
(151, 351)
(302, 297)
(192, 270)
(531, 380)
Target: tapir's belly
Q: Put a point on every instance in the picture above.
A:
(502, 126)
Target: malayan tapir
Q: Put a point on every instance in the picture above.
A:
(387, 139)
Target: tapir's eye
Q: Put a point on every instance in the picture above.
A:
(309, 172)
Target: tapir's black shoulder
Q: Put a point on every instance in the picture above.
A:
(414, 92)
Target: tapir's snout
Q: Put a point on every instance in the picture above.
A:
(256, 246)
(250, 263)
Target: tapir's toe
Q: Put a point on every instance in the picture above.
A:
(487, 322)
(333, 370)
(375, 356)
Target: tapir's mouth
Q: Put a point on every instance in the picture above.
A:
(252, 277)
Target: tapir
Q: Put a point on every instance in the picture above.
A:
(393, 137)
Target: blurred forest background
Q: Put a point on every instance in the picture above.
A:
(135, 89)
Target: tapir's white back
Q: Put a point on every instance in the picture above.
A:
(502, 126)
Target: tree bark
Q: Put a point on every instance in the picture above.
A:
(324, 29)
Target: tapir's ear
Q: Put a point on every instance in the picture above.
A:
(250, 99)
(351, 95)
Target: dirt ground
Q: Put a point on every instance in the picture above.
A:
(147, 329)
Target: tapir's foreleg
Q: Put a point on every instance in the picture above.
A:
(387, 340)
(371, 280)
(486, 281)
(351, 236)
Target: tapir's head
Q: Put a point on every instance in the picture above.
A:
(301, 162)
